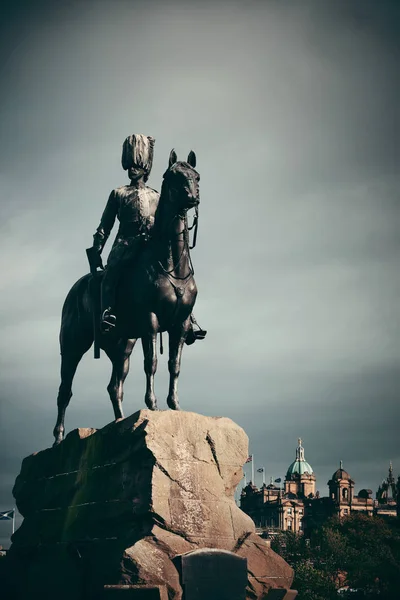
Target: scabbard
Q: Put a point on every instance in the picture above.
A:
(93, 258)
(94, 287)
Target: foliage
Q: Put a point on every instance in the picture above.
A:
(312, 580)
(359, 552)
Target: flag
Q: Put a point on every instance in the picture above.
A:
(278, 480)
(250, 458)
(7, 516)
(261, 470)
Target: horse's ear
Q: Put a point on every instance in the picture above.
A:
(192, 159)
(172, 158)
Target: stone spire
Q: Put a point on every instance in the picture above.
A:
(390, 479)
(387, 490)
(300, 451)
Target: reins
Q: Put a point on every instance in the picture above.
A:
(196, 226)
(186, 246)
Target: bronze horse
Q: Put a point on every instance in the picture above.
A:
(155, 294)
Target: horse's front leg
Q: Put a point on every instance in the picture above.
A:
(149, 343)
(177, 337)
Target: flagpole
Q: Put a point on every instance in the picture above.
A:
(252, 470)
(13, 522)
(263, 476)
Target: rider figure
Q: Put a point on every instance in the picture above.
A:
(135, 206)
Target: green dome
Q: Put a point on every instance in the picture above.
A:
(300, 465)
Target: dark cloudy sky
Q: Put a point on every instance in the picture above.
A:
(293, 110)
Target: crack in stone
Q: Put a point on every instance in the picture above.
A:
(197, 458)
(164, 470)
(251, 592)
(211, 443)
(233, 526)
(241, 541)
(160, 522)
(211, 493)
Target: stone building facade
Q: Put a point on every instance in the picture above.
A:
(298, 507)
(273, 508)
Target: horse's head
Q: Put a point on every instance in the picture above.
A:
(182, 181)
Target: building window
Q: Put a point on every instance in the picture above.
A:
(301, 525)
(345, 493)
(289, 511)
(289, 525)
(300, 511)
(346, 511)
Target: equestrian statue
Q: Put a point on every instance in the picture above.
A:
(147, 286)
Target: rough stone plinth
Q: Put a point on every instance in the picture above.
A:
(117, 505)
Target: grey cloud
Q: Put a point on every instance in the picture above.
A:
(292, 111)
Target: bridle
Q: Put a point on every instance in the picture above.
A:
(182, 214)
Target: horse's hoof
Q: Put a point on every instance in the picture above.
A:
(58, 437)
(151, 404)
(173, 404)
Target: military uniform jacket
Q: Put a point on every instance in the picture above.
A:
(135, 209)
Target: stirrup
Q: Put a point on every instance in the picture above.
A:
(193, 335)
(108, 321)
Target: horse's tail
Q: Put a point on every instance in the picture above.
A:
(76, 332)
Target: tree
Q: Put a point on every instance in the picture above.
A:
(373, 559)
(359, 552)
(311, 579)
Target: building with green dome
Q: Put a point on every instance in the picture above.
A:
(273, 508)
(300, 478)
(298, 507)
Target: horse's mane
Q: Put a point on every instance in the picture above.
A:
(159, 217)
(160, 212)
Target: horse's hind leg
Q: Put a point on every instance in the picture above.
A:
(177, 337)
(69, 363)
(119, 356)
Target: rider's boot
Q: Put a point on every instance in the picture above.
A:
(194, 334)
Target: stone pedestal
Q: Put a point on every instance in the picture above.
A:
(117, 505)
